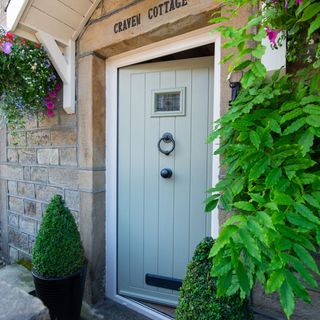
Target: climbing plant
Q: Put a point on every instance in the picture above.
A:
(269, 146)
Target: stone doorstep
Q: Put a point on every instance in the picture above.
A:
(17, 276)
(16, 304)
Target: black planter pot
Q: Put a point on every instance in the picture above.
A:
(62, 296)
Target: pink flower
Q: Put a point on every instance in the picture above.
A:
(272, 36)
(52, 94)
(299, 2)
(50, 105)
(58, 87)
(50, 113)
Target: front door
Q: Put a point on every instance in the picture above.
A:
(164, 170)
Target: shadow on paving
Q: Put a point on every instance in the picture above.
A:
(109, 310)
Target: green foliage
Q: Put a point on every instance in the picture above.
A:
(198, 297)
(58, 250)
(25, 263)
(270, 151)
(28, 81)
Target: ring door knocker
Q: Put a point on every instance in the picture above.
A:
(166, 139)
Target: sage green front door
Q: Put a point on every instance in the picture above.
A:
(164, 170)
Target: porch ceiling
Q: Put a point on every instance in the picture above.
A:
(62, 19)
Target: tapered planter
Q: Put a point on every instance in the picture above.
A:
(62, 296)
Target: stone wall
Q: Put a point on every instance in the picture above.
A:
(41, 162)
(3, 4)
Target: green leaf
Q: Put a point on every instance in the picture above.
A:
(313, 120)
(306, 141)
(304, 273)
(237, 186)
(227, 58)
(249, 244)
(295, 126)
(259, 168)
(242, 65)
(305, 257)
(291, 115)
(306, 212)
(223, 238)
(243, 278)
(265, 219)
(212, 204)
(297, 287)
(312, 109)
(275, 281)
(255, 139)
(310, 99)
(287, 298)
(273, 177)
(299, 221)
(282, 198)
(318, 237)
(259, 69)
(244, 205)
(311, 200)
(248, 79)
(218, 19)
(259, 51)
(310, 12)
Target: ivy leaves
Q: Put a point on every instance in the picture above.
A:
(272, 184)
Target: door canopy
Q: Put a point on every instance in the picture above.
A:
(56, 25)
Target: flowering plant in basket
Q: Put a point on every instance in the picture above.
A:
(28, 82)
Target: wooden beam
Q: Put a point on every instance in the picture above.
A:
(64, 63)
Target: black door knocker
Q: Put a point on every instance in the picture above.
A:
(166, 139)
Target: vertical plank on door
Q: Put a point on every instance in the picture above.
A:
(182, 179)
(124, 170)
(151, 201)
(198, 183)
(137, 179)
(166, 190)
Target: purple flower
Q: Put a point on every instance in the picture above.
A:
(52, 77)
(47, 63)
(286, 4)
(299, 2)
(7, 48)
(272, 36)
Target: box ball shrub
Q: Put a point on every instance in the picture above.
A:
(198, 298)
(58, 251)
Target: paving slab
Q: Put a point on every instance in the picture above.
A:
(16, 304)
(17, 276)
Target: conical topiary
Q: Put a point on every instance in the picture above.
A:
(58, 250)
(198, 298)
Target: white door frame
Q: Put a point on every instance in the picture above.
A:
(186, 41)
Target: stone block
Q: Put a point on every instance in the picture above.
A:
(18, 239)
(18, 139)
(32, 209)
(13, 220)
(48, 121)
(13, 254)
(11, 172)
(48, 156)
(27, 226)
(39, 174)
(68, 157)
(26, 173)
(67, 119)
(26, 189)
(19, 305)
(72, 199)
(45, 193)
(12, 188)
(16, 204)
(27, 156)
(64, 177)
(64, 136)
(92, 181)
(12, 155)
(38, 138)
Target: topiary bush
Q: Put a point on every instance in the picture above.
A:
(198, 298)
(58, 250)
